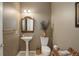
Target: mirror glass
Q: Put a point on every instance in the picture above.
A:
(27, 24)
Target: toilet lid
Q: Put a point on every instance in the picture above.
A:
(45, 48)
(44, 41)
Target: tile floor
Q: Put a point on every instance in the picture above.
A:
(31, 53)
(23, 53)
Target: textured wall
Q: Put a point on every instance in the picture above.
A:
(11, 16)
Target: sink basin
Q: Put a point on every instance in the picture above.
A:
(26, 38)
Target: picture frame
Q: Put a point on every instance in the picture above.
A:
(77, 14)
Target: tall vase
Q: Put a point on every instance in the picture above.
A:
(45, 33)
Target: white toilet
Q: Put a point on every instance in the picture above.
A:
(44, 48)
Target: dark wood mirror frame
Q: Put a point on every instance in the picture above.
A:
(25, 18)
(76, 14)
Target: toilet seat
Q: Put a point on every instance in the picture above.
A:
(45, 50)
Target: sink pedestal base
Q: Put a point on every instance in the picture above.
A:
(27, 48)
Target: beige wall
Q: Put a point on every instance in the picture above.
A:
(65, 33)
(1, 27)
(40, 11)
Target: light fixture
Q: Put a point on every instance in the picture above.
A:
(27, 11)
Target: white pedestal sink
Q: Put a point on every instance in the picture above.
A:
(26, 39)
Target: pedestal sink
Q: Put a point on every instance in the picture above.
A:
(26, 39)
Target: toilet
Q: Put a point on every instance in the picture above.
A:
(44, 48)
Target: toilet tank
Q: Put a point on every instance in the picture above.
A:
(44, 41)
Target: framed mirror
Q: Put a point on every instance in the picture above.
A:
(27, 24)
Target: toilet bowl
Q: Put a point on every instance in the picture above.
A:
(44, 48)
